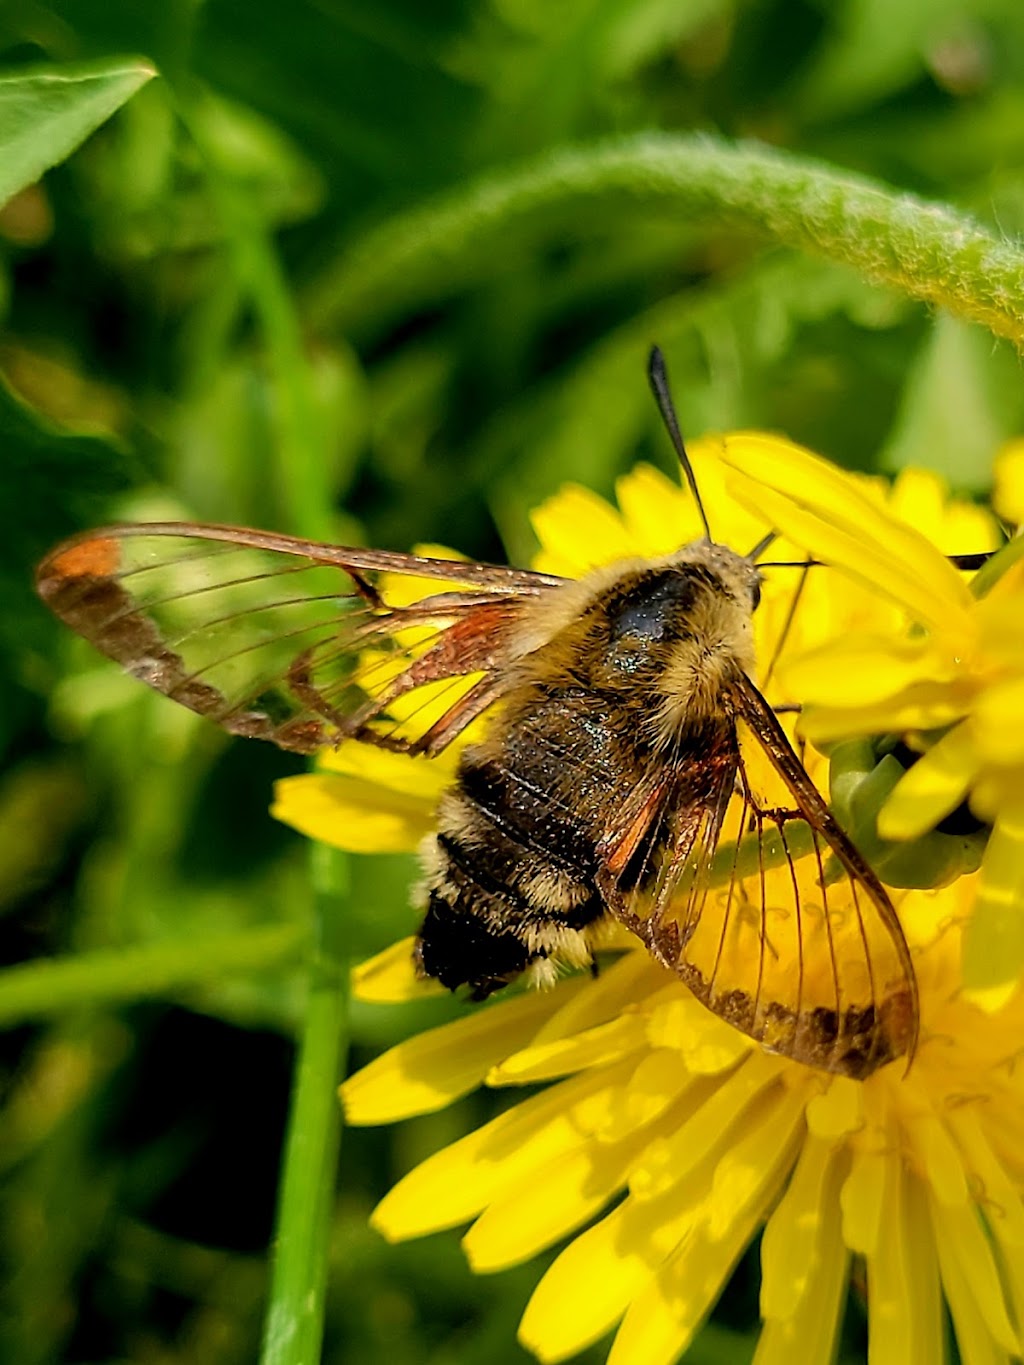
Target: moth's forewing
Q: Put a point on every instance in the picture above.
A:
(286, 640)
(760, 903)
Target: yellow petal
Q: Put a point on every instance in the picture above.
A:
(750, 1164)
(397, 772)
(578, 530)
(997, 729)
(808, 1333)
(635, 976)
(595, 1047)
(1008, 476)
(349, 813)
(932, 788)
(657, 1080)
(1003, 1198)
(941, 1160)
(663, 1318)
(924, 706)
(454, 1184)
(863, 1200)
(619, 1254)
(994, 936)
(905, 1320)
(659, 515)
(999, 609)
(708, 1043)
(833, 516)
(548, 1201)
(731, 523)
(390, 977)
(365, 800)
(860, 670)
(838, 1111)
(429, 1071)
(971, 1281)
(708, 1126)
(564, 1314)
(403, 589)
(1002, 1193)
(807, 1219)
(920, 497)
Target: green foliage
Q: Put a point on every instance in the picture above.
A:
(45, 115)
(388, 273)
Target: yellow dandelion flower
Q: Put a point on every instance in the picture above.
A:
(696, 1138)
(662, 1139)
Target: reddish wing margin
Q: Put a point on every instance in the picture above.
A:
(300, 643)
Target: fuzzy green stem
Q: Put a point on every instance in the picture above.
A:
(926, 250)
(294, 1323)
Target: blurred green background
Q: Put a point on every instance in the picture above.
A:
(183, 335)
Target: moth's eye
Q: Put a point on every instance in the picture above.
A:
(755, 594)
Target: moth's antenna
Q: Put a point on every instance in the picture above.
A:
(762, 545)
(658, 375)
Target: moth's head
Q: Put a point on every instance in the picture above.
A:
(736, 575)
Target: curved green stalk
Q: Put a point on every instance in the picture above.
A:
(926, 250)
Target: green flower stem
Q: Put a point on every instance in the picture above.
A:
(926, 250)
(294, 1323)
(90, 980)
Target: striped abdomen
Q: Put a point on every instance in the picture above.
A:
(511, 871)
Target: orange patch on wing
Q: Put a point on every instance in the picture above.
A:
(95, 558)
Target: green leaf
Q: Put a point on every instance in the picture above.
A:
(45, 114)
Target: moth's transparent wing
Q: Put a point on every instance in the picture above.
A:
(292, 641)
(757, 899)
